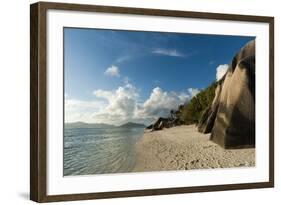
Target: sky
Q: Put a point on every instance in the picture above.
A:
(116, 77)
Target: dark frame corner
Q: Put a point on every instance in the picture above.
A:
(38, 93)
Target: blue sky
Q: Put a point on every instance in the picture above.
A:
(107, 72)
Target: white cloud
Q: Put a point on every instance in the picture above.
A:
(123, 59)
(79, 110)
(160, 103)
(167, 52)
(112, 71)
(123, 105)
(193, 92)
(221, 70)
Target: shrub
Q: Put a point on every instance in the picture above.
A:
(191, 112)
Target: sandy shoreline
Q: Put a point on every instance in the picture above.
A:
(183, 148)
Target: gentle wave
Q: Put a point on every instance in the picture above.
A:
(90, 151)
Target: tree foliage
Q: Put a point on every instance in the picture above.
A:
(191, 112)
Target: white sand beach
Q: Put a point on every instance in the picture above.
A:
(183, 148)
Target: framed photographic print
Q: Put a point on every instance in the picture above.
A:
(134, 102)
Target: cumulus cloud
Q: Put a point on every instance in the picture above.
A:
(221, 70)
(112, 71)
(167, 52)
(80, 110)
(160, 103)
(121, 104)
(124, 104)
(193, 92)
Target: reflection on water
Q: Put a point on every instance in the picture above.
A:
(97, 150)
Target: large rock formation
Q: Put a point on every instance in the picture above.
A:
(207, 120)
(162, 122)
(231, 117)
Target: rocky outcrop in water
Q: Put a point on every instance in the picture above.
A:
(231, 117)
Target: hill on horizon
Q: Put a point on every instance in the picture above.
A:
(80, 124)
(133, 125)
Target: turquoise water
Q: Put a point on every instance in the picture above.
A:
(99, 151)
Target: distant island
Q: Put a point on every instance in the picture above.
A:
(132, 125)
(87, 125)
(102, 125)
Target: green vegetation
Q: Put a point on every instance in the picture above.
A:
(191, 112)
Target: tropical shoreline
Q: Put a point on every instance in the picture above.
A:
(184, 148)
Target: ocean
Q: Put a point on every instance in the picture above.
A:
(89, 151)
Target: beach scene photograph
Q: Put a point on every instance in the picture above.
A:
(143, 101)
